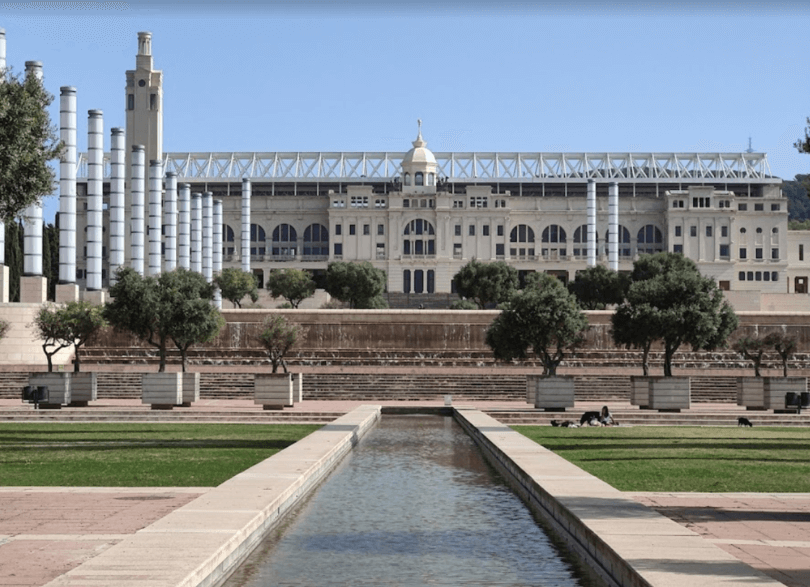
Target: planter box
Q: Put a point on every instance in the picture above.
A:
(191, 388)
(162, 390)
(531, 388)
(298, 387)
(777, 387)
(640, 390)
(670, 394)
(273, 391)
(59, 388)
(83, 389)
(554, 394)
(751, 392)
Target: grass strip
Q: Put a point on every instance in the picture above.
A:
(137, 455)
(685, 459)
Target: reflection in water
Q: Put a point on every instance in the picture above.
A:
(413, 504)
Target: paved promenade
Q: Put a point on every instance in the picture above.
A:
(45, 532)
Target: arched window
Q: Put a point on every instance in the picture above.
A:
(554, 234)
(257, 240)
(316, 240)
(285, 241)
(553, 239)
(407, 180)
(650, 240)
(415, 241)
(521, 236)
(431, 179)
(624, 242)
(227, 240)
(418, 178)
(581, 238)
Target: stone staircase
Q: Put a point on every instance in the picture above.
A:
(177, 415)
(637, 417)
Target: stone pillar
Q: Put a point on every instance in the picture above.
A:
(208, 236)
(217, 255)
(66, 289)
(136, 213)
(155, 217)
(592, 232)
(117, 221)
(245, 252)
(613, 226)
(95, 197)
(170, 222)
(184, 228)
(196, 232)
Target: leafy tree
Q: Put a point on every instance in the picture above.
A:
(50, 256)
(752, 348)
(669, 300)
(487, 284)
(359, 284)
(596, 287)
(50, 326)
(4, 327)
(795, 190)
(544, 318)
(294, 285)
(278, 338)
(235, 284)
(463, 305)
(83, 321)
(28, 141)
(171, 306)
(784, 346)
(14, 258)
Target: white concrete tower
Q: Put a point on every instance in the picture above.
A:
(217, 256)
(208, 236)
(245, 252)
(67, 186)
(144, 107)
(613, 226)
(184, 228)
(136, 221)
(592, 232)
(32, 216)
(118, 164)
(95, 197)
(155, 217)
(196, 232)
(170, 222)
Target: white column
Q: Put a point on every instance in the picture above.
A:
(208, 236)
(67, 186)
(155, 216)
(95, 197)
(32, 216)
(613, 226)
(591, 223)
(245, 224)
(2, 50)
(196, 232)
(184, 228)
(136, 210)
(170, 222)
(117, 179)
(217, 256)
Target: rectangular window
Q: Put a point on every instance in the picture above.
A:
(741, 276)
(381, 229)
(724, 251)
(749, 276)
(767, 276)
(677, 249)
(724, 231)
(130, 101)
(801, 252)
(338, 229)
(406, 203)
(500, 230)
(774, 276)
(693, 231)
(338, 249)
(499, 250)
(485, 230)
(708, 231)
(352, 229)
(366, 229)
(153, 102)
(743, 253)
(742, 207)
(758, 253)
(458, 203)
(759, 208)
(457, 250)
(775, 254)
(677, 231)
(775, 207)
(472, 230)
(458, 230)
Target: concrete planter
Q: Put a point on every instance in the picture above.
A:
(554, 394)
(670, 394)
(191, 388)
(640, 390)
(531, 388)
(162, 391)
(751, 392)
(274, 391)
(777, 387)
(298, 387)
(83, 389)
(59, 388)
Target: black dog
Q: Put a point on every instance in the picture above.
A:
(558, 424)
(743, 421)
(587, 417)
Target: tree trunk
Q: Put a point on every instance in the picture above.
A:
(183, 360)
(162, 355)
(50, 362)
(76, 361)
(645, 360)
(668, 352)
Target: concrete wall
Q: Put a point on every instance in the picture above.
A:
(20, 346)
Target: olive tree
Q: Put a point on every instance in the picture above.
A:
(486, 284)
(59, 327)
(784, 345)
(597, 287)
(751, 348)
(294, 285)
(544, 319)
(235, 284)
(358, 283)
(278, 337)
(50, 327)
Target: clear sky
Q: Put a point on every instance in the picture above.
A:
(315, 75)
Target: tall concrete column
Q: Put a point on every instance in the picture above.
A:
(184, 228)
(245, 252)
(155, 217)
(67, 186)
(613, 226)
(2, 50)
(208, 236)
(117, 177)
(592, 232)
(217, 256)
(170, 222)
(136, 207)
(95, 197)
(196, 232)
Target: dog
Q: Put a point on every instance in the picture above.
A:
(564, 424)
(743, 421)
(587, 417)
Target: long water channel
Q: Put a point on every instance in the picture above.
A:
(413, 504)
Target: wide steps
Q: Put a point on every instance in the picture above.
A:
(177, 415)
(530, 417)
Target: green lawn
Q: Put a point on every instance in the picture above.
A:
(137, 455)
(686, 458)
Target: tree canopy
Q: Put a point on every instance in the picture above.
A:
(751, 348)
(174, 306)
(278, 337)
(669, 300)
(597, 287)
(235, 284)
(359, 284)
(294, 285)
(60, 326)
(544, 318)
(784, 345)
(28, 141)
(486, 284)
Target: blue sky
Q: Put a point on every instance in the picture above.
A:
(483, 76)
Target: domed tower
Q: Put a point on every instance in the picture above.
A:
(419, 168)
